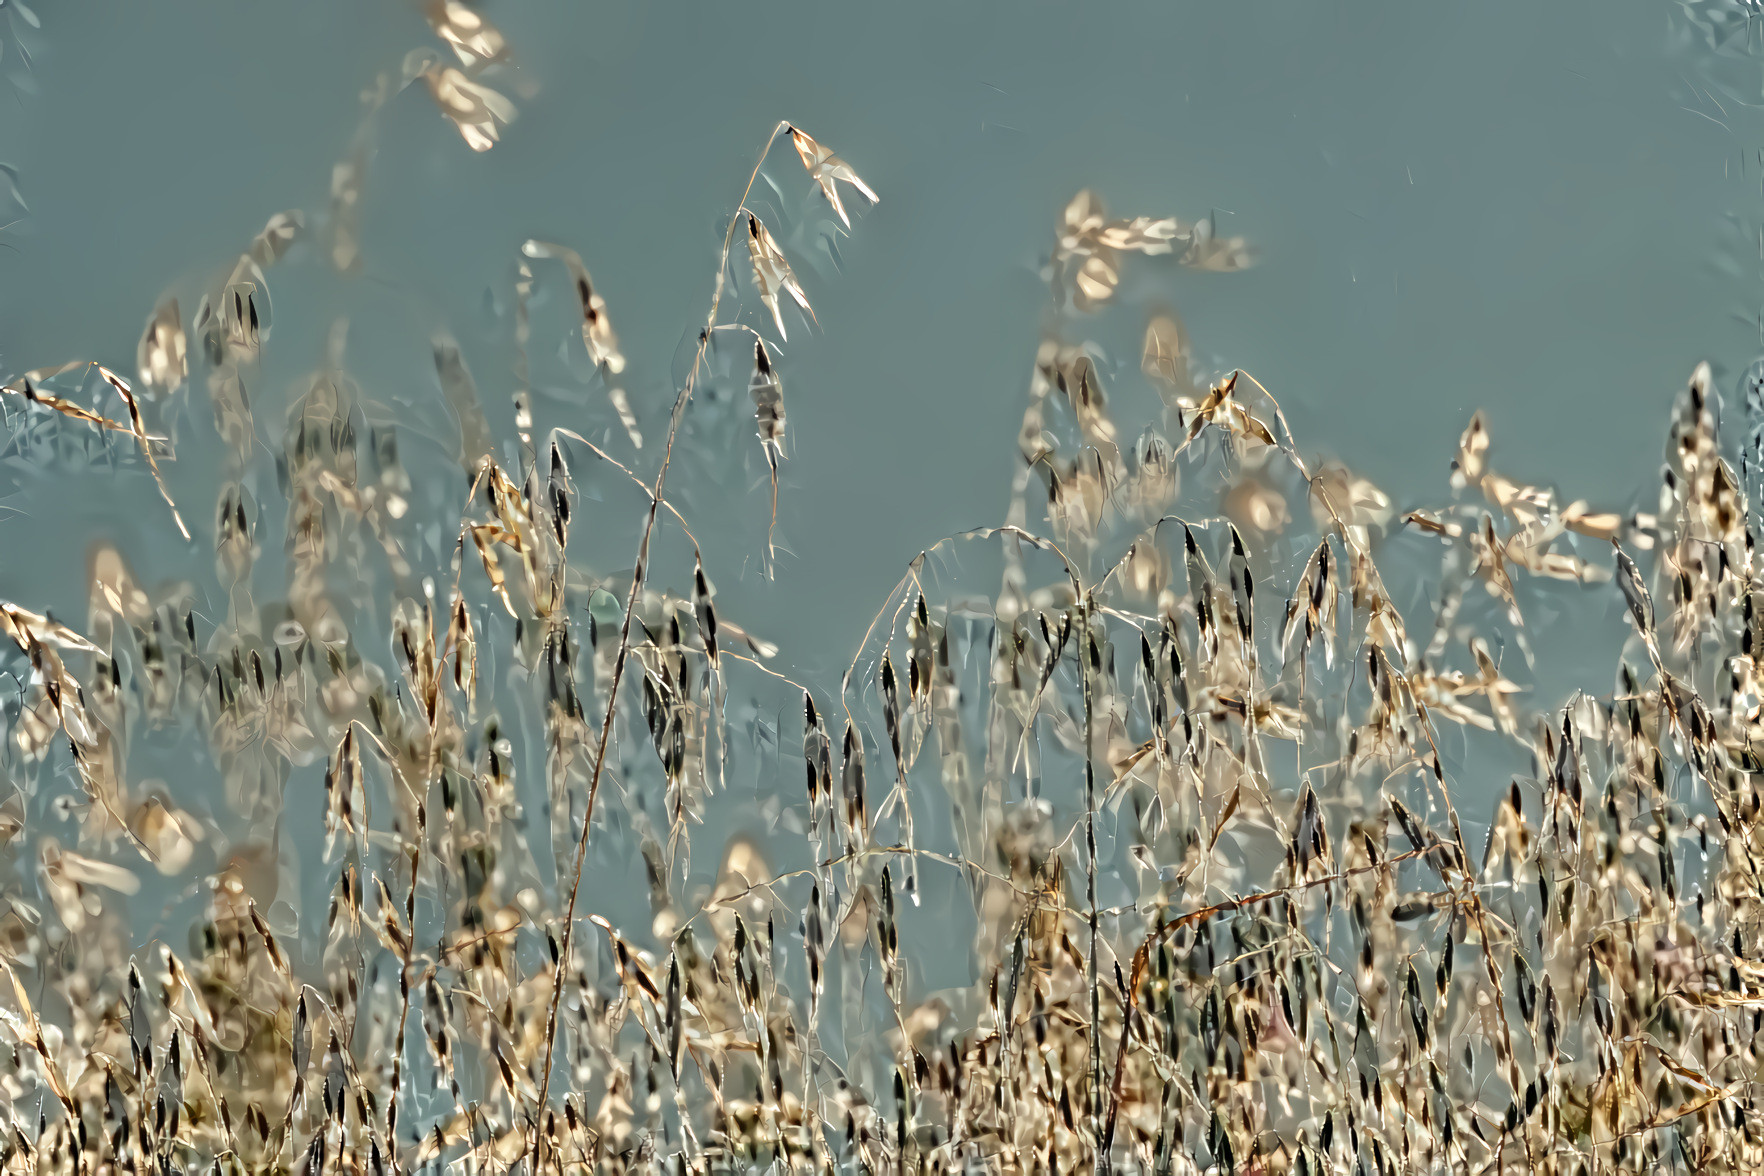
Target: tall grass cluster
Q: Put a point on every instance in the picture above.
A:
(1256, 866)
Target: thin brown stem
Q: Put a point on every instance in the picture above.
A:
(637, 579)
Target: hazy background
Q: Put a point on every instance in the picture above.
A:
(1547, 210)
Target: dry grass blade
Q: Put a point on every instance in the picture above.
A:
(827, 170)
(1259, 942)
(160, 358)
(478, 111)
(26, 387)
(143, 440)
(597, 332)
(461, 392)
(472, 38)
(768, 414)
(772, 273)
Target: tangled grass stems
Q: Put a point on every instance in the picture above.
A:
(637, 580)
(1274, 963)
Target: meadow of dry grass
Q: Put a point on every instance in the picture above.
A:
(1245, 885)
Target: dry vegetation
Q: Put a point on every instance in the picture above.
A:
(1201, 784)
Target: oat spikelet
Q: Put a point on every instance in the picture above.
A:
(825, 168)
(477, 111)
(772, 273)
(160, 356)
(768, 414)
